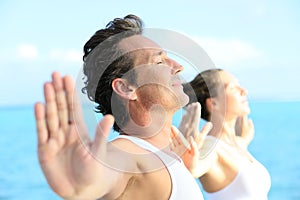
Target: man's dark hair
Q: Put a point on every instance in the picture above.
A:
(105, 61)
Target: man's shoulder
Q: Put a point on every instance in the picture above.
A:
(146, 161)
(128, 146)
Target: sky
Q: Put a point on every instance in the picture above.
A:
(256, 40)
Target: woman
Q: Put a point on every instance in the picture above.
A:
(225, 167)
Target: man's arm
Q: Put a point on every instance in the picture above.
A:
(68, 158)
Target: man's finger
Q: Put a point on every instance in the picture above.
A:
(70, 93)
(41, 126)
(102, 132)
(61, 100)
(51, 110)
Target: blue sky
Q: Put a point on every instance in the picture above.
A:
(256, 40)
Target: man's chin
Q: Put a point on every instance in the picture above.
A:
(184, 100)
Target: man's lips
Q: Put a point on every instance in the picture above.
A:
(176, 83)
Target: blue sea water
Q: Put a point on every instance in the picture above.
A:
(276, 145)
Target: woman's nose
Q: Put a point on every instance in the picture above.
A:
(244, 91)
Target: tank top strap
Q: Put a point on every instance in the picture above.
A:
(140, 142)
(184, 185)
(166, 158)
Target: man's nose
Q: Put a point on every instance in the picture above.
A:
(176, 67)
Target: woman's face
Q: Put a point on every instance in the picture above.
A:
(233, 99)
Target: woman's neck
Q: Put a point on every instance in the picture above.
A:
(224, 128)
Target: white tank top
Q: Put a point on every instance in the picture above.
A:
(184, 186)
(252, 182)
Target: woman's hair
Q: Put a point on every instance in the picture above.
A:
(105, 61)
(204, 86)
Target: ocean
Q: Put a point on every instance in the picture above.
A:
(276, 145)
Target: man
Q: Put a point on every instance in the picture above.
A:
(131, 78)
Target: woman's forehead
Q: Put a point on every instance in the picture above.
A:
(227, 77)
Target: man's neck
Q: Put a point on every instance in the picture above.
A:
(156, 131)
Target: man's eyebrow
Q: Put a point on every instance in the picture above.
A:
(159, 53)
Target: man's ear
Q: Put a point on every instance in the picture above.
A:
(122, 88)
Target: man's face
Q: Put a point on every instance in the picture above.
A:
(157, 77)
